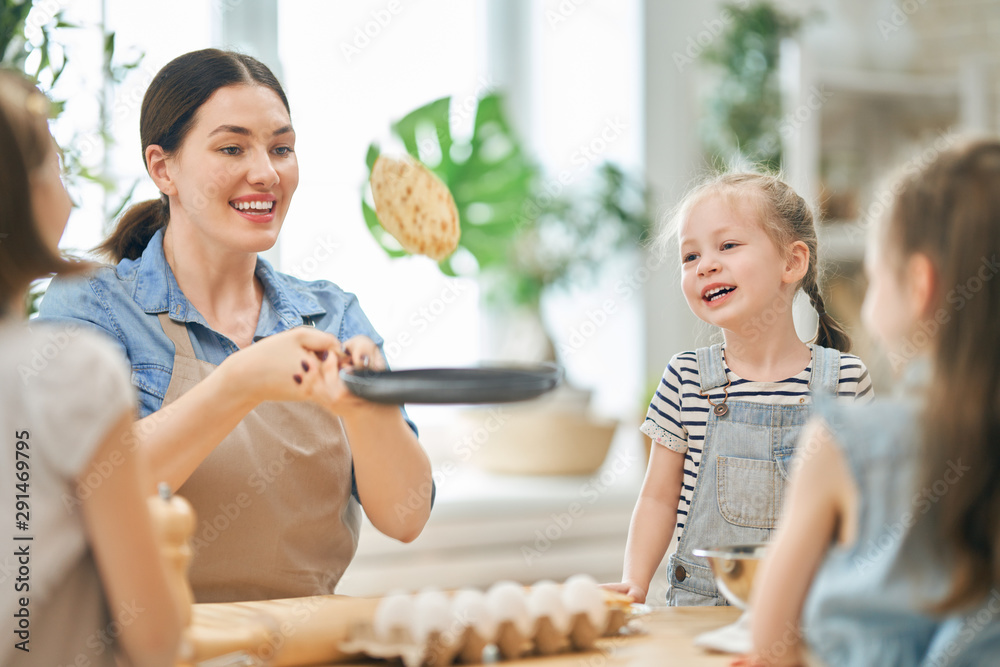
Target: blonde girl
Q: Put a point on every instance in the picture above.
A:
(724, 418)
(890, 547)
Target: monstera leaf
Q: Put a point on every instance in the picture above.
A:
(488, 174)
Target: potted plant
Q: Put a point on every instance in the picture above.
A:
(520, 240)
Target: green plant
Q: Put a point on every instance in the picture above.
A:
(42, 56)
(523, 239)
(743, 110)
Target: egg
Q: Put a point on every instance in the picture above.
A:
(470, 608)
(545, 600)
(431, 613)
(394, 612)
(508, 602)
(582, 594)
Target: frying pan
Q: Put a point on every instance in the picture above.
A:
(472, 385)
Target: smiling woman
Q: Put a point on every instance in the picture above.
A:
(231, 385)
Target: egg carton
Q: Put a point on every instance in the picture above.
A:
(507, 622)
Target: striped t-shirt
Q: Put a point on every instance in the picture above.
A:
(678, 413)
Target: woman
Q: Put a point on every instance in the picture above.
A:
(277, 453)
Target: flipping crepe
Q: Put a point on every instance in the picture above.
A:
(415, 207)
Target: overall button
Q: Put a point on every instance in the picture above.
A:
(680, 573)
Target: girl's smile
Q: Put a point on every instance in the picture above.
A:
(731, 270)
(717, 293)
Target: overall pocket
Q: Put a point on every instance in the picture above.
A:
(750, 491)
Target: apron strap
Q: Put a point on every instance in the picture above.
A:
(711, 368)
(178, 335)
(825, 376)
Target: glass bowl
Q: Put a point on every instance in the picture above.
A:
(734, 568)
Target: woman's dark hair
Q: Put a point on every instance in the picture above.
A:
(167, 115)
(950, 213)
(25, 145)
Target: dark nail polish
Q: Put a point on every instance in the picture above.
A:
(322, 354)
(305, 366)
(297, 378)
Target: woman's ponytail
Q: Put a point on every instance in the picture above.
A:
(136, 226)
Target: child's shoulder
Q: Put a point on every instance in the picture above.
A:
(683, 363)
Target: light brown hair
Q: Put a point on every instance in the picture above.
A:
(168, 113)
(950, 213)
(25, 144)
(785, 217)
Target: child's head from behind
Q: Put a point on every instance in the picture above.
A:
(933, 263)
(747, 244)
(36, 206)
(930, 260)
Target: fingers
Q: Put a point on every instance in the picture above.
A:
(362, 352)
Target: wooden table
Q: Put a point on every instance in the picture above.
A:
(307, 632)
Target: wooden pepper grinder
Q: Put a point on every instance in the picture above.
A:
(174, 522)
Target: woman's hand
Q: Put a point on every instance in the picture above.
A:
(283, 367)
(361, 352)
(331, 392)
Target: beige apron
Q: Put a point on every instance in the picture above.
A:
(275, 514)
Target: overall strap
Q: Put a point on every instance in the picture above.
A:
(825, 376)
(711, 368)
(178, 335)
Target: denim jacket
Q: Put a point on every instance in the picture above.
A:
(868, 603)
(122, 302)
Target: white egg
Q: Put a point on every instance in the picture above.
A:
(394, 611)
(508, 602)
(545, 599)
(581, 593)
(470, 608)
(431, 613)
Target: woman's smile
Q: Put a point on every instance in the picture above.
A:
(257, 208)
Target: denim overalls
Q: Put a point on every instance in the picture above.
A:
(744, 463)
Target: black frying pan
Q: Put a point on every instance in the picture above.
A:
(479, 384)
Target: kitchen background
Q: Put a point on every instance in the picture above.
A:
(610, 109)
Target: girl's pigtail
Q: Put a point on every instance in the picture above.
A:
(829, 333)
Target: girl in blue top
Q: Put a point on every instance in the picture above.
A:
(724, 418)
(890, 549)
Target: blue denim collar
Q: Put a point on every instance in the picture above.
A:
(157, 291)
